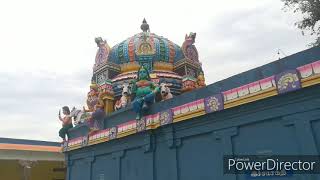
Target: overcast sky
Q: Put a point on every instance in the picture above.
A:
(47, 48)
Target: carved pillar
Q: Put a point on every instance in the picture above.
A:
(225, 138)
(302, 124)
(173, 144)
(89, 161)
(148, 149)
(108, 105)
(305, 137)
(117, 157)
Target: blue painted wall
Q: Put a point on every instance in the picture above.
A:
(287, 124)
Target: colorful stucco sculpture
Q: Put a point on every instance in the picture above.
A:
(145, 91)
(165, 62)
(66, 123)
(130, 74)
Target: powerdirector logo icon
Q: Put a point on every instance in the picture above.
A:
(256, 165)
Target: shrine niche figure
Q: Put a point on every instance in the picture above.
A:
(66, 123)
(103, 51)
(145, 91)
(95, 109)
(188, 48)
(92, 97)
(95, 120)
(201, 80)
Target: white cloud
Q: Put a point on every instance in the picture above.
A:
(29, 104)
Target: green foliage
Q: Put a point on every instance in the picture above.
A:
(310, 10)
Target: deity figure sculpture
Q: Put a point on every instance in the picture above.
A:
(201, 80)
(103, 51)
(145, 91)
(188, 47)
(95, 120)
(95, 112)
(93, 97)
(66, 123)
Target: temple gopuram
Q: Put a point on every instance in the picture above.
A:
(150, 115)
(166, 61)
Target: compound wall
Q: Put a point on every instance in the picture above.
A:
(287, 124)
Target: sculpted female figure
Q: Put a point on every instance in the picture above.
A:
(95, 120)
(66, 122)
(144, 90)
(93, 97)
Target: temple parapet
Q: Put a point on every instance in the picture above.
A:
(273, 79)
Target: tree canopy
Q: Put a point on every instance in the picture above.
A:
(310, 10)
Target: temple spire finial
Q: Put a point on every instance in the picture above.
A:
(145, 26)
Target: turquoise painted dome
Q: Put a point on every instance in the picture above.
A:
(145, 46)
